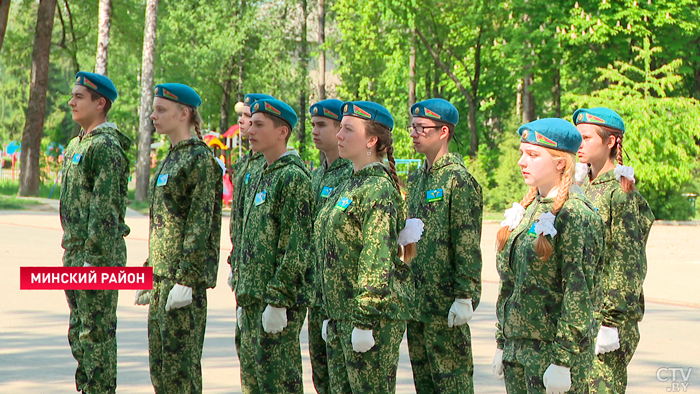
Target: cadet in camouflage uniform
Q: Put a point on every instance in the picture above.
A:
(333, 171)
(275, 268)
(628, 220)
(185, 229)
(246, 169)
(93, 205)
(367, 289)
(447, 267)
(550, 250)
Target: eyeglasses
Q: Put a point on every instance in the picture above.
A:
(420, 130)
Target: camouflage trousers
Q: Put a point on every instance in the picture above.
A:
(175, 340)
(317, 352)
(372, 372)
(525, 361)
(271, 363)
(609, 374)
(92, 333)
(441, 357)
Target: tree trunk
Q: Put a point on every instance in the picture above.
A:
(412, 76)
(4, 13)
(143, 168)
(556, 93)
(528, 98)
(304, 69)
(103, 36)
(322, 53)
(36, 108)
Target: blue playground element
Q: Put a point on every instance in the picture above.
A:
(13, 147)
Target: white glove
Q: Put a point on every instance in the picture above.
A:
(143, 297)
(230, 276)
(88, 265)
(497, 364)
(362, 340)
(274, 320)
(557, 379)
(460, 312)
(324, 330)
(239, 316)
(178, 297)
(608, 340)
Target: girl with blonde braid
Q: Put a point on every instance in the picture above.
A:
(367, 288)
(550, 248)
(611, 187)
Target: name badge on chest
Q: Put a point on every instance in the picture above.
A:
(162, 180)
(433, 195)
(343, 204)
(247, 178)
(326, 192)
(260, 197)
(77, 158)
(531, 232)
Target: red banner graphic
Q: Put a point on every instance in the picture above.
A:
(86, 278)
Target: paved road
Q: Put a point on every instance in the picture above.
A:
(35, 357)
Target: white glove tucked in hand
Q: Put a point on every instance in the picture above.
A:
(608, 340)
(230, 284)
(88, 265)
(460, 312)
(497, 364)
(324, 330)
(143, 297)
(274, 320)
(239, 316)
(178, 297)
(362, 340)
(557, 379)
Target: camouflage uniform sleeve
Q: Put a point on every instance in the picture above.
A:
(200, 222)
(627, 266)
(294, 242)
(376, 260)
(465, 232)
(576, 315)
(107, 166)
(505, 289)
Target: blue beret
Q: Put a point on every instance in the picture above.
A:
(436, 109)
(369, 111)
(276, 108)
(179, 93)
(552, 133)
(599, 116)
(330, 108)
(251, 98)
(98, 83)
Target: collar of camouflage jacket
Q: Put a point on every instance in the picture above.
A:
(193, 141)
(288, 158)
(338, 163)
(575, 192)
(111, 129)
(604, 177)
(444, 161)
(374, 169)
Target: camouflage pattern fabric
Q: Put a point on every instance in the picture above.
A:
(356, 234)
(175, 340)
(92, 209)
(324, 180)
(628, 220)
(528, 360)
(441, 357)
(448, 200)
(551, 301)
(185, 215)
(271, 363)
(274, 269)
(372, 372)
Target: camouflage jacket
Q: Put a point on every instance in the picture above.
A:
(324, 180)
(356, 235)
(628, 220)
(185, 215)
(245, 171)
(274, 261)
(94, 195)
(448, 261)
(552, 301)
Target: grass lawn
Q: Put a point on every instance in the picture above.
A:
(12, 203)
(9, 188)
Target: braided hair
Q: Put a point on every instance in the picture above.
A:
(605, 133)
